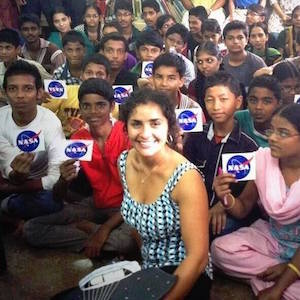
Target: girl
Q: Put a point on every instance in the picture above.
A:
(268, 252)
(258, 40)
(208, 61)
(157, 200)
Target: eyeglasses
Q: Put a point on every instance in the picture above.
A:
(280, 133)
(290, 89)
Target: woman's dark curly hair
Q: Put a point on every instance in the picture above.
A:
(146, 96)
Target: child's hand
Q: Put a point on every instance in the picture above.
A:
(68, 170)
(221, 185)
(217, 218)
(272, 273)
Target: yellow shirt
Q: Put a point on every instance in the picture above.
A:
(206, 3)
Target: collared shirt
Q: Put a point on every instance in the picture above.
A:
(63, 73)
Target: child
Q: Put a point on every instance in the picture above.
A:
(76, 227)
(74, 50)
(258, 40)
(149, 46)
(208, 60)
(240, 63)
(163, 23)
(222, 135)
(255, 14)
(267, 253)
(150, 12)
(264, 97)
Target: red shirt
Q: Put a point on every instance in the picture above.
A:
(102, 171)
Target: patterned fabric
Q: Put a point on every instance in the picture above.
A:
(63, 73)
(157, 223)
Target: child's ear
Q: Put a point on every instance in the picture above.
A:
(181, 82)
(239, 102)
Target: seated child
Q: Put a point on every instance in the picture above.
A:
(163, 23)
(222, 135)
(264, 97)
(150, 13)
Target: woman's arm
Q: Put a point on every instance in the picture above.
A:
(187, 4)
(193, 204)
(231, 8)
(217, 4)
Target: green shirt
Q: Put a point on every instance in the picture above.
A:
(270, 56)
(246, 122)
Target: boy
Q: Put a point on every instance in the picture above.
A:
(36, 48)
(25, 127)
(74, 50)
(77, 226)
(175, 42)
(240, 63)
(222, 135)
(149, 46)
(124, 14)
(95, 66)
(255, 14)
(264, 97)
(150, 12)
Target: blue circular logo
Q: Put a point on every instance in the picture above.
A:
(239, 166)
(148, 69)
(28, 141)
(297, 100)
(187, 120)
(120, 94)
(76, 150)
(56, 89)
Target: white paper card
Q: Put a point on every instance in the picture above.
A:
(297, 99)
(122, 92)
(57, 89)
(30, 140)
(78, 149)
(190, 119)
(242, 165)
(147, 67)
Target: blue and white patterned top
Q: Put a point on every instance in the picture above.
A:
(158, 223)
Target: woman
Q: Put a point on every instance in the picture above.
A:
(208, 60)
(157, 199)
(268, 252)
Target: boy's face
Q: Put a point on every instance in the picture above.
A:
(221, 103)
(165, 27)
(212, 37)
(150, 16)
(74, 53)
(115, 52)
(22, 94)
(93, 70)
(195, 25)
(167, 79)
(30, 31)
(148, 52)
(124, 17)
(95, 110)
(175, 40)
(253, 17)
(236, 41)
(8, 52)
(296, 19)
(262, 104)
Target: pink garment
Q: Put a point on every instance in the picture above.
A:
(251, 250)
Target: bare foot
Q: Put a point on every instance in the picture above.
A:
(86, 226)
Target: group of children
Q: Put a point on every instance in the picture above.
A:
(144, 170)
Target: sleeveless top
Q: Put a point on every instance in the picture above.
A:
(158, 223)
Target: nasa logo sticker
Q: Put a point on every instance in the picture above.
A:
(57, 89)
(121, 93)
(78, 149)
(147, 68)
(28, 141)
(242, 165)
(189, 120)
(297, 99)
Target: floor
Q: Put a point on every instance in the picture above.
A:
(35, 274)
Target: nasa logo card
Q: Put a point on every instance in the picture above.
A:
(242, 165)
(297, 99)
(57, 89)
(30, 141)
(190, 120)
(147, 67)
(122, 92)
(79, 149)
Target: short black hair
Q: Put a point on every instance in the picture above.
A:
(199, 12)
(161, 20)
(291, 113)
(114, 36)
(97, 59)
(236, 25)
(22, 67)
(10, 36)
(149, 37)
(59, 10)
(257, 8)
(96, 86)
(210, 48)
(145, 96)
(150, 3)
(113, 23)
(261, 25)
(73, 36)
(179, 29)
(266, 81)
(123, 4)
(170, 60)
(285, 70)
(32, 18)
(211, 25)
(224, 79)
